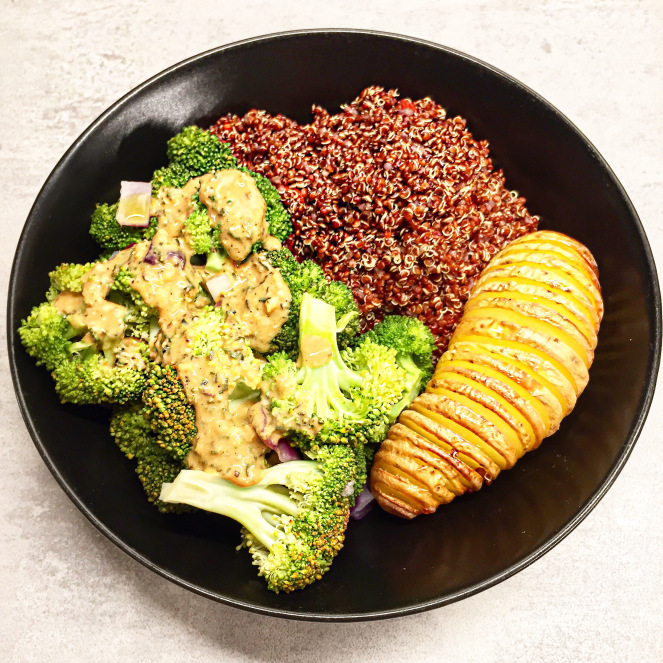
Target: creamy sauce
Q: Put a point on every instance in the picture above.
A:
(98, 281)
(296, 418)
(259, 298)
(69, 303)
(237, 208)
(228, 447)
(172, 206)
(257, 304)
(272, 243)
(315, 351)
(105, 321)
(169, 283)
(225, 444)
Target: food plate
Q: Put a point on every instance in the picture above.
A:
(388, 567)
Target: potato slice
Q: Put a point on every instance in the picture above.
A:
(585, 315)
(548, 275)
(557, 251)
(484, 423)
(527, 406)
(568, 241)
(460, 476)
(543, 365)
(539, 308)
(397, 491)
(471, 449)
(392, 492)
(445, 378)
(513, 372)
(414, 455)
(567, 252)
(512, 326)
(549, 259)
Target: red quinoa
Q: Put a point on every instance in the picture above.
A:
(389, 196)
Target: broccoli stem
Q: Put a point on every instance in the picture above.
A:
(328, 381)
(251, 506)
(317, 318)
(412, 384)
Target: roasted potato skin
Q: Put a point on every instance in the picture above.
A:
(514, 368)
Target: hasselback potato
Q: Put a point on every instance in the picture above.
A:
(515, 367)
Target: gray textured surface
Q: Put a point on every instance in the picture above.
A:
(69, 595)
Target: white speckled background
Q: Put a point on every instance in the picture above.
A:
(67, 594)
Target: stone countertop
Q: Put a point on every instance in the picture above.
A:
(68, 594)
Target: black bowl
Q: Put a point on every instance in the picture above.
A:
(388, 566)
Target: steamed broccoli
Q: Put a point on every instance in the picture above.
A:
(333, 397)
(192, 153)
(293, 519)
(67, 276)
(47, 336)
(201, 235)
(307, 277)
(89, 377)
(172, 420)
(414, 345)
(86, 368)
(141, 320)
(110, 235)
(131, 429)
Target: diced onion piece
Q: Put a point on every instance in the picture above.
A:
(219, 285)
(179, 256)
(151, 257)
(285, 452)
(134, 207)
(365, 502)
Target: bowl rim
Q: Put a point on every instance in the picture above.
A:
(653, 305)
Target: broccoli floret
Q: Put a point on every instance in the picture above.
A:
(414, 344)
(276, 215)
(201, 235)
(307, 277)
(130, 427)
(208, 333)
(191, 153)
(67, 276)
(172, 419)
(110, 235)
(334, 397)
(46, 335)
(194, 152)
(88, 377)
(199, 151)
(277, 365)
(174, 175)
(140, 319)
(84, 369)
(293, 519)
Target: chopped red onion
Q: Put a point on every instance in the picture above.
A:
(180, 257)
(151, 257)
(365, 502)
(134, 207)
(285, 452)
(219, 284)
(274, 440)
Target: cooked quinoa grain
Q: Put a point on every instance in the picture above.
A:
(389, 196)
